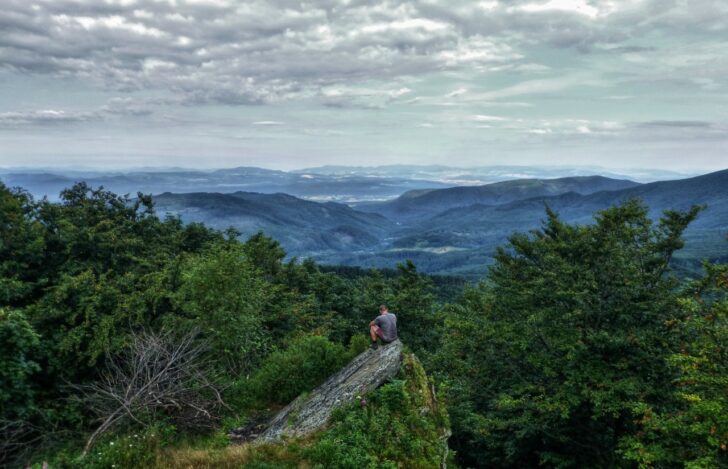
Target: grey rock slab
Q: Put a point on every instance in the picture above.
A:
(310, 412)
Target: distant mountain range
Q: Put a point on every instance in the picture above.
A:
(444, 230)
(312, 186)
(346, 184)
(486, 174)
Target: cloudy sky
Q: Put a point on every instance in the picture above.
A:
(289, 84)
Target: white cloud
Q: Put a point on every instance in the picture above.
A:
(575, 6)
(486, 118)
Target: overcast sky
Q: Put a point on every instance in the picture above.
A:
(290, 84)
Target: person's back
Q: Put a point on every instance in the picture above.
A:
(383, 327)
(388, 324)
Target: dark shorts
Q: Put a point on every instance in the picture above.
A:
(380, 333)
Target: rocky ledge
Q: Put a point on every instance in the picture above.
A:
(310, 412)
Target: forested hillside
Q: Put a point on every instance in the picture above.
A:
(423, 204)
(130, 340)
(304, 227)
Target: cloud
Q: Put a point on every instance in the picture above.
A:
(678, 124)
(268, 123)
(486, 118)
(234, 52)
(259, 51)
(43, 117)
(115, 107)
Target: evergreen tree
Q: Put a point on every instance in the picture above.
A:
(571, 333)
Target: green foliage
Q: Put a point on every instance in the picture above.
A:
(573, 331)
(99, 253)
(580, 349)
(693, 432)
(399, 425)
(414, 303)
(265, 253)
(285, 374)
(18, 343)
(221, 293)
(21, 247)
(123, 450)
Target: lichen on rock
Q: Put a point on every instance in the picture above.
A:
(309, 413)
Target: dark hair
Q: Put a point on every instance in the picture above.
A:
(383, 307)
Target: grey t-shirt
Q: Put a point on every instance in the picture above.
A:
(388, 324)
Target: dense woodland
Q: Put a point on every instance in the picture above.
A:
(579, 348)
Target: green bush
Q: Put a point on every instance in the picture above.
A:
(285, 374)
(399, 425)
(358, 344)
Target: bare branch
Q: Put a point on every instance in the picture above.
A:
(157, 372)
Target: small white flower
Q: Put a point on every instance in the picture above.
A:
(112, 443)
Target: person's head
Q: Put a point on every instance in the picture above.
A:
(383, 309)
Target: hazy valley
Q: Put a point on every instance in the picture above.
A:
(389, 217)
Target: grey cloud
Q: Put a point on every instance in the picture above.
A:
(115, 107)
(235, 52)
(258, 51)
(43, 117)
(681, 124)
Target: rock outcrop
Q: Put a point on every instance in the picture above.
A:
(310, 412)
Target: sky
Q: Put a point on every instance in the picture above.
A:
(288, 84)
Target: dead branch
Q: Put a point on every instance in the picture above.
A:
(157, 373)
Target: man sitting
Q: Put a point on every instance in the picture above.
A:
(383, 327)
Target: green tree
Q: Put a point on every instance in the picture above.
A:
(265, 253)
(413, 300)
(223, 294)
(694, 432)
(571, 333)
(18, 343)
(21, 247)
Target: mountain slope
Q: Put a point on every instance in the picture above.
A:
(482, 227)
(421, 204)
(302, 227)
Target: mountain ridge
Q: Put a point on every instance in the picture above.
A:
(415, 205)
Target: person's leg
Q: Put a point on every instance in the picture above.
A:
(373, 332)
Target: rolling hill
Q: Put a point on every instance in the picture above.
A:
(477, 229)
(442, 230)
(302, 227)
(422, 204)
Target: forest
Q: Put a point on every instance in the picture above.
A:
(130, 340)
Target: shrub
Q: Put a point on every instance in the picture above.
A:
(401, 425)
(285, 374)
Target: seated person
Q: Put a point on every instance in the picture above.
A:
(383, 327)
